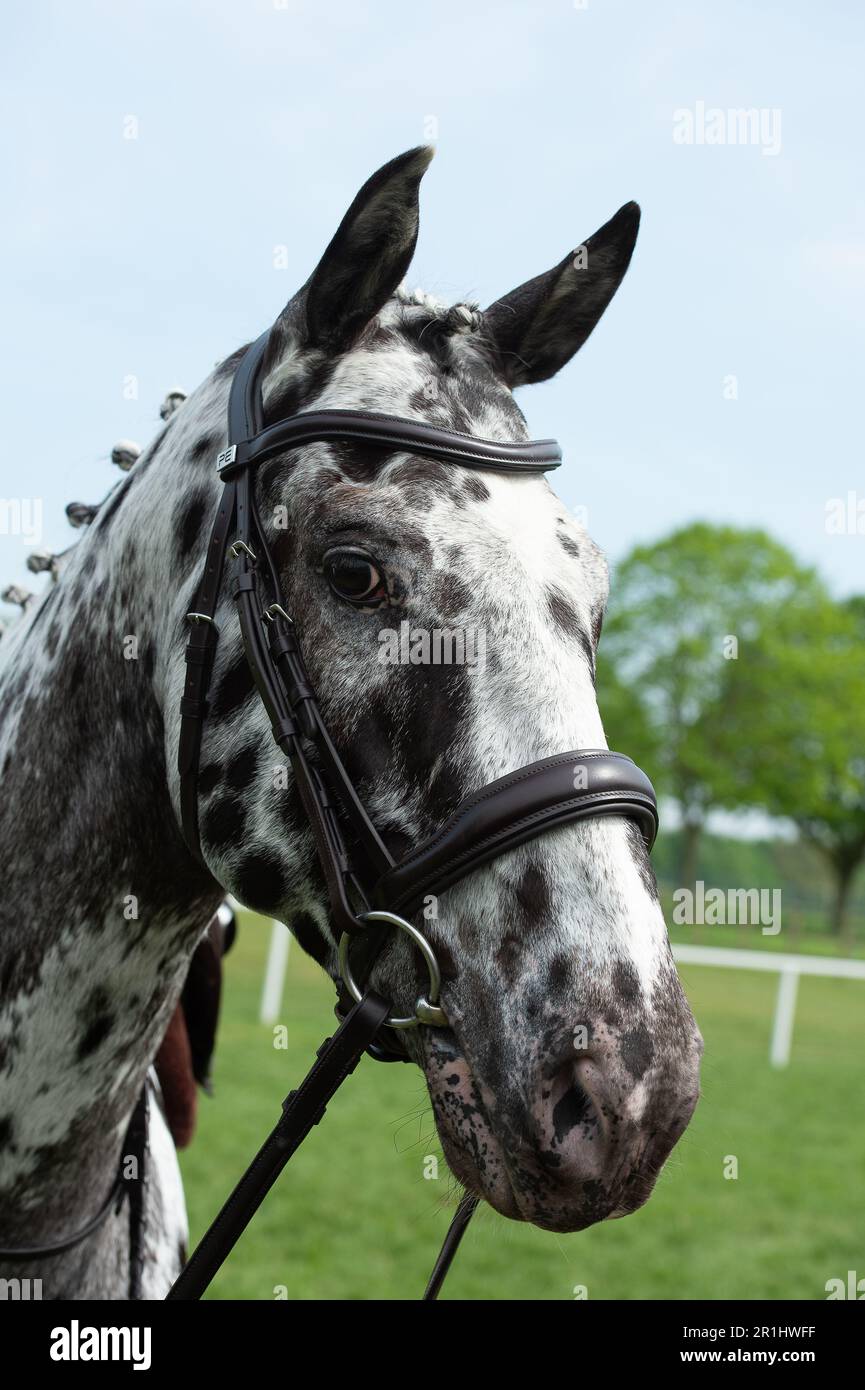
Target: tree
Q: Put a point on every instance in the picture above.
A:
(806, 680)
(681, 613)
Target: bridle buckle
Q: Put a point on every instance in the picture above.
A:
(275, 611)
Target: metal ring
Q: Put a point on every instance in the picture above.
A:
(427, 1010)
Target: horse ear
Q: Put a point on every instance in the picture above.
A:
(538, 327)
(369, 255)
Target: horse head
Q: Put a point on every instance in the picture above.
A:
(570, 1064)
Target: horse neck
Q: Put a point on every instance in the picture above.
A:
(102, 903)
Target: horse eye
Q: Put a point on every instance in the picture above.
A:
(353, 575)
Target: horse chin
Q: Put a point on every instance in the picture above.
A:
(488, 1180)
(471, 1147)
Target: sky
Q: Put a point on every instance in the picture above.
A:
(172, 173)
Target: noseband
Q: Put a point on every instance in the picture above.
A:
(365, 884)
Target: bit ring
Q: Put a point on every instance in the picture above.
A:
(427, 1009)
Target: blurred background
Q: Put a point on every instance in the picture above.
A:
(172, 174)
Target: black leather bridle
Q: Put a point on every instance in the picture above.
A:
(360, 873)
(368, 890)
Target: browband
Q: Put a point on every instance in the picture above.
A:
(248, 445)
(391, 432)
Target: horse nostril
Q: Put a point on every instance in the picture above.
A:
(572, 1097)
(573, 1108)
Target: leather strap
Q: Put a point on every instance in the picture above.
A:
(200, 654)
(518, 807)
(336, 1059)
(136, 1148)
(249, 443)
(317, 802)
(393, 433)
(285, 650)
(277, 668)
(462, 1216)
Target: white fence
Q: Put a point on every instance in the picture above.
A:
(274, 975)
(277, 963)
(788, 967)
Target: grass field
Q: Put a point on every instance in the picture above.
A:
(354, 1218)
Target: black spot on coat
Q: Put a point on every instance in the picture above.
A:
(308, 937)
(567, 619)
(573, 1109)
(476, 488)
(637, 1050)
(208, 778)
(190, 526)
(241, 771)
(234, 688)
(223, 823)
(261, 883)
(95, 1033)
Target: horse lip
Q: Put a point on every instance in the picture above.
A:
(499, 1191)
(503, 1199)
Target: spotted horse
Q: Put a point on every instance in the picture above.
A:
(395, 484)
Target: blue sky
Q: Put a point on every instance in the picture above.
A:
(257, 121)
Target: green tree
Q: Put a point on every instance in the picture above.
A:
(681, 614)
(806, 680)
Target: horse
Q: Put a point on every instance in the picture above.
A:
(570, 1064)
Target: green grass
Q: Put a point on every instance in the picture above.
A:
(353, 1217)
